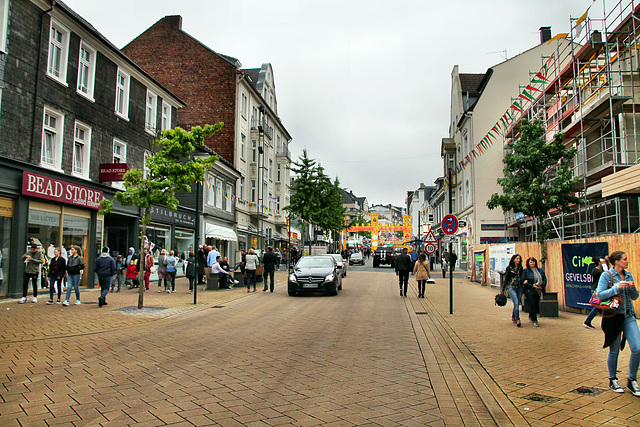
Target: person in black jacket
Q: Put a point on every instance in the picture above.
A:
(403, 268)
(57, 271)
(269, 260)
(512, 283)
(104, 267)
(601, 267)
(190, 270)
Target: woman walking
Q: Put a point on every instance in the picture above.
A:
(191, 270)
(421, 271)
(148, 264)
(618, 281)
(171, 271)
(75, 265)
(597, 272)
(57, 271)
(162, 270)
(250, 268)
(514, 286)
(534, 282)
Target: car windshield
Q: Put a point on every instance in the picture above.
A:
(337, 257)
(315, 263)
(356, 255)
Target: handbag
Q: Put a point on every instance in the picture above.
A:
(501, 299)
(611, 304)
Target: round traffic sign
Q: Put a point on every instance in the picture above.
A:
(430, 248)
(449, 224)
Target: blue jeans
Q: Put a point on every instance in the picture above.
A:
(592, 314)
(632, 334)
(268, 273)
(516, 296)
(73, 283)
(105, 283)
(251, 278)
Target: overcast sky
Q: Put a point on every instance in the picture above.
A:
(363, 85)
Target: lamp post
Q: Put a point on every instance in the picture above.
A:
(195, 245)
(261, 126)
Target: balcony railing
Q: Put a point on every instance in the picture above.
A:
(261, 126)
(283, 151)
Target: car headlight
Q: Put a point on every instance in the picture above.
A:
(292, 278)
(329, 278)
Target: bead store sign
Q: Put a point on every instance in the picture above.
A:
(45, 187)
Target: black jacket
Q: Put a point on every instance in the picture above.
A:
(104, 266)
(269, 259)
(59, 266)
(404, 263)
(512, 278)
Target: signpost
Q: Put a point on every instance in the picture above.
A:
(450, 224)
(430, 243)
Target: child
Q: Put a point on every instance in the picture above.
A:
(132, 275)
(120, 271)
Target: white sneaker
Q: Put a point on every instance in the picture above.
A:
(22, 300)
(236, 282)
(159, 290)
(34, 300)
(168, 291)
(174, 291)
(77, 302)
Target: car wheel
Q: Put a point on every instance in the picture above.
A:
(334, 292)
(292, 293)
(340, 287)
(376, 264)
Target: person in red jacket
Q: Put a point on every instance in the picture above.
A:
(131, 276)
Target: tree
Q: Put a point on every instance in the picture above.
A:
(170, 170)
(537, 178)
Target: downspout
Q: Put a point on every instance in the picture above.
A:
(38, 72)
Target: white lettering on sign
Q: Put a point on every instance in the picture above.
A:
(65, 192)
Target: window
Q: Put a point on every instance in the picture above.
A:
(241, 190)
(81, 150)
(58, 52)
(243, 140)
(218, 193)
(166, 115)
(86, 70)
(119, 151)
(452, 161)
(453, 201)
(253, 151)
(430, 217)
(145, 169)
(253, 191)
(244, 105)
(270, 169)
(122, 94)
(151, 112)
(52, 131)
(4, 18)
(278, 173)
(227, 197)
(278, 202)
(210, 190)
(467, 190)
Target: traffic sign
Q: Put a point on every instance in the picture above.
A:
(430, 238)
(449, 224)
(430, 248)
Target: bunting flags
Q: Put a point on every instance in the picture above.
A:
(558, 37)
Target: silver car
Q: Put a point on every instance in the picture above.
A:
(342, 264)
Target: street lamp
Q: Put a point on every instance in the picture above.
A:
(261, 131)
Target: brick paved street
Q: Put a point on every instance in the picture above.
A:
(366, 357)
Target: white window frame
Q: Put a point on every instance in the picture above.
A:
(254, 151)
(219, 193)
(243, 143)
(122, 92)
(145, 170)
(244, 105)
(253, 191)
(86, 150)
(57, 135)
(270, 172)
(90, 67)
(121, 156)
(151, 112)
(228, 197)
(60, 46)
(278, 173)
(211, 192)
(4, 24)
(166, 115)
(241, 189)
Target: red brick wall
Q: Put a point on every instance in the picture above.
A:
(199, 77)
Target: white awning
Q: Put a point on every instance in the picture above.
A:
(220, 232)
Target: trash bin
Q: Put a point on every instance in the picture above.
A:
(549, 305)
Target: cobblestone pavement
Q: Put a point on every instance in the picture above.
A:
(366, 357)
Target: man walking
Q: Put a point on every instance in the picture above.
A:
(32, 259)
(105, 268)
(403, 268)
(269, 260)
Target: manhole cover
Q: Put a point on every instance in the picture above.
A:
(542, 398)
(135, 309)
(588, 391)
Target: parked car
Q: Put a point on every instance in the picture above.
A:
(315, 273)
(342, 264)
(383, 255)
(356, 258)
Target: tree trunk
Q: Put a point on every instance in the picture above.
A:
(141, 262)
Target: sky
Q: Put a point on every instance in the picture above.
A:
(363, 85)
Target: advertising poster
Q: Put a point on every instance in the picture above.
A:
(499, 256)
(578, 262)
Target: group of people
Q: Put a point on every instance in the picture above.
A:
(610, 279)
(250, 263)
(405, 265)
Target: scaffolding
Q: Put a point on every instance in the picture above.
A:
(593, 96)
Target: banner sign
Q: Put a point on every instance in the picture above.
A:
(46, 187)
(578, 262)
(112, 171)
(499, 257)
(490, 227)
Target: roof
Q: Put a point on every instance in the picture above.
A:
(470, 82)
(253, 74)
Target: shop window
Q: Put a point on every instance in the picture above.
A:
(184, 243)
(158, 238)
(151, 112)
(81, 150)
(58, 52)
(122, 94)
(166, 115)
(6, 215)
(86, 70)
(52, 130)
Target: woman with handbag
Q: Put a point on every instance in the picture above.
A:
(513, 285)
(597, 272)
(619, 282)
(421, 270)
(534, 282)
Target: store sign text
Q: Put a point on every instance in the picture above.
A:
(49, 188)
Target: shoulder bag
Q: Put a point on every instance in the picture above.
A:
(611, 304)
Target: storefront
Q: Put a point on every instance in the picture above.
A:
(6, 219)
(221, 236)
(171, 230)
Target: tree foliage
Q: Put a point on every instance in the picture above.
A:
(537, 177)
(170, 169)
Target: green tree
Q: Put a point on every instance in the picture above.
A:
(170, 169)
(537, 178)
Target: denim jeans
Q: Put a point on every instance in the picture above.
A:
(53, 281)
(534, 305)
(592, 314)
(251, 278)
(632, 334)
(73, 283)
(105, 283)
(268, 273)
(516, 296)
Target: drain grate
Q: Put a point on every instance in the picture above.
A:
(521, 384)
(135, 309)
(217, 306)
(419, 313)
(588, 391)
(542, 398)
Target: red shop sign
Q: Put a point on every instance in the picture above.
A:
(49, 188)
(112, 171)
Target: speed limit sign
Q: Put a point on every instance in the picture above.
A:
(430, 248)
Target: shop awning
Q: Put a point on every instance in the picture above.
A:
(220, 232)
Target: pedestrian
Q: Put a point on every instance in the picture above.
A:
(223, 275)
(212, 256)
(512, 283)
(171, 271)
(75, 265)
(131, 256)
(453, 258)
(243, 263)
(118, 278)
(105, 267)
(403, 268)
(278, 258)
(269, 261)
(190, 269)
(285, 258)
(294, 255)
(534, 282)
(33, 259)
(162, 270)
(148, 265)
(421, 271)
(597, 272)
(618, 281)
(57, 271)
(444, 263)
(251, 265)
(131, 275)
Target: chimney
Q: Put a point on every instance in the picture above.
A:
(545, 34)
(174, 21)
